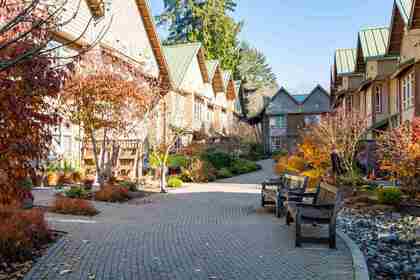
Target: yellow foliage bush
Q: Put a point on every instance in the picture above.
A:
(294, 164)
(314, 176)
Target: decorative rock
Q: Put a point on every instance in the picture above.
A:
(387, 239)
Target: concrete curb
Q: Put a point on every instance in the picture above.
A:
(360, 269)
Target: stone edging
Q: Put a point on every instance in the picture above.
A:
(360, 270)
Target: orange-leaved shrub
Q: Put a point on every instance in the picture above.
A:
(112, 193)
(21, 232)
(293, 164)
(74, 206)
(314, 178)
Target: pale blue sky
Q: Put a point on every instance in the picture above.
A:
(299, 36)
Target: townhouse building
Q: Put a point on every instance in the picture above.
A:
(203, 96)
(286, 115)
(405, 44)
(200, 95)
(125, 44)
(382, 72)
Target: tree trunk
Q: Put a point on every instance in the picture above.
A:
(163, 179)
(113, 159)
(103, 151)
(95, 156)
(138, 164)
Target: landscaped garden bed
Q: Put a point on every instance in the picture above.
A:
(24, 237)
(381, 214)
(202, 163)
(387, 240)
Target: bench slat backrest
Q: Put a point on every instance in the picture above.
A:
(295, 182)
(330, 195)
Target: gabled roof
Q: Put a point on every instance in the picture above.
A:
(282, 90)
(318, 87)
(150, 27)
(180, 58)
(345, 61)
(405, 8)
(373, 41)
(300, 98)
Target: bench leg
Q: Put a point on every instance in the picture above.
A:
(279, 206)
(298, 232)
(288, 218)
(262, 200)
(332, 241)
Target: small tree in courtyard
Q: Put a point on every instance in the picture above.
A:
(341, 133)
(399, 152)
(160, 155)
(108, 107)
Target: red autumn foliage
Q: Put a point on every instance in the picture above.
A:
(74, 206)
(21, 232)
(112, 193)
(399, 154)
(109, 98)
(28, 90)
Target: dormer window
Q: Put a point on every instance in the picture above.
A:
(98, 7)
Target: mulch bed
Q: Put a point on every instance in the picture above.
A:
(18, 270)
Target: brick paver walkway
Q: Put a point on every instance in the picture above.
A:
(212, 231)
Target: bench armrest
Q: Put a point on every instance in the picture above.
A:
(308, 194)
(316, 206)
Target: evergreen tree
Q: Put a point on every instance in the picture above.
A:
(205, 21)
(254, 69)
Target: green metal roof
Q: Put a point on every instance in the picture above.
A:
(226, 78)
(211, 67)
(179, 58)
(405, 7)
(345, 60)
(374, 41)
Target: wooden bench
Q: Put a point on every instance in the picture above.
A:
(326, 203)
(274, 191)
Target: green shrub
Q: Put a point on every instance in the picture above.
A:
(131, 186)
(279, 153)
(178, 161)
(186, 175)
(76, 192)
(218, 159)
(255, 153)
(175, 182)
(390, 196)
(224, 173)
(241, 166)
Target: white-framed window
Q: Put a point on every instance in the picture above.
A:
(312, 119)
(277, 143)
(378, 99)
(197, 110)
(178, 109)
(407, 91)
(279, 122)
(209, 114)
